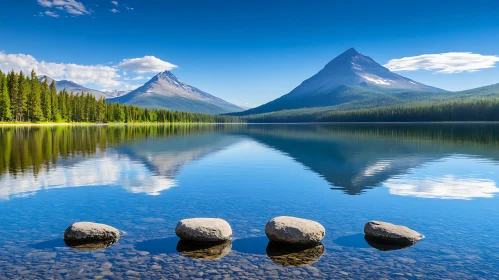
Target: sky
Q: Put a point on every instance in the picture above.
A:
(248, 52)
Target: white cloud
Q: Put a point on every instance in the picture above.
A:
(102, 76)
(115, 3)
(51, 14)
(140, 77)
(451, 62)
(114, 11)
(70, 6)
(146, 64)
(81, 74)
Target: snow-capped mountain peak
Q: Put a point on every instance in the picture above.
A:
(353, 68)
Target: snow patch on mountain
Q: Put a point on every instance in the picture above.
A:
(376, 80)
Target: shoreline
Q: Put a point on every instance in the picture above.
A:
(291, 123)
(101, 124)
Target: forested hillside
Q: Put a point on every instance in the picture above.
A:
(25, 98)
(473, 109)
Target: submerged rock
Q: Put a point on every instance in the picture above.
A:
(204, 230)
(294, 256)
(204, 251)
(295, 231)
(383, 232)
(91, 232)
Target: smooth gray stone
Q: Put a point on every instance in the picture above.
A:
(296, 231)
(388, 232)
(204, 230)
(87, 231)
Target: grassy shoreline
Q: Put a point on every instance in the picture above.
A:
(6, 124)
(3, 124)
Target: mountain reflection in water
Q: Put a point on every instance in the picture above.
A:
(450, 161)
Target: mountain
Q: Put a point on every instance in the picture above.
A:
(76, 88)
(349, 77)
(166, 91)
(116, 92)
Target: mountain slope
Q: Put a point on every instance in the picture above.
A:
(165, 91)
(351, 76)
(373, 100)
(76, 88)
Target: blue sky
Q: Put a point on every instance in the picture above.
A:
(248, 52)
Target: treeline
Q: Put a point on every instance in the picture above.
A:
(486, 109)
(483, 109)
(24, 98)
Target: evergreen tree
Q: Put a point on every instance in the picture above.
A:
(63, 109)
(45, 97)
(102, 110)
(55, 104)
(20, 104)
(5, 112)
(35, 102)
(13, 89)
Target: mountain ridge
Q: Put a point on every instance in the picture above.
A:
(71, 86)
(166, 91)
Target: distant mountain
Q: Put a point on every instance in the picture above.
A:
(116, 93)
(349, 77)
(76, 88)
(166, 91)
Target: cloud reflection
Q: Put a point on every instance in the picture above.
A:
(133, 176)
(447, 187)
(449, 178)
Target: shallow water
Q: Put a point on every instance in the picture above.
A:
(440, 179)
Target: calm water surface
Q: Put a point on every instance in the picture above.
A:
(441, 180)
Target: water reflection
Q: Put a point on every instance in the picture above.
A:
(409, 160)
(89, 246)
(449, 178)
(355, 158)
(139, 159)
(204, 251)
(77, 245)
(195, 250)
(286, 255)
(385, 246)
(281, 254)
(106, 170)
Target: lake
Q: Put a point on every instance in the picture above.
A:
(439, 179)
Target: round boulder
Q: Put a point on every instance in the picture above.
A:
(204, 230)
(89, 232)
(295, 231)
(390, 233)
